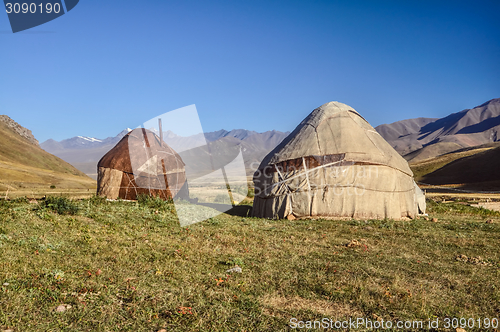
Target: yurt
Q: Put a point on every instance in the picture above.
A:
(335, 164)
(141, 163)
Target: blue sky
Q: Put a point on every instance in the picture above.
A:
(257, 65)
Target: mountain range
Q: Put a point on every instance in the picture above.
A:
(423, 138)
(417, 140)
(85, 152)
(82, 142)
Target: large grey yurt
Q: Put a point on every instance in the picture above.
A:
(335, 164)
(141, 164)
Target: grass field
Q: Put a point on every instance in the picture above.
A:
(128, 266)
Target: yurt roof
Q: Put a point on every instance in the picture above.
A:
(136, 141)
(336, 129)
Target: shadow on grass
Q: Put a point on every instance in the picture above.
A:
(239, 210)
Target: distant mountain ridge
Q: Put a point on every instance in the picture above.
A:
(403, 128)
(237, 133)
(82, 142)
(84, 152)
(425, 137)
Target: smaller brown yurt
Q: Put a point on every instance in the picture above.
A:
(141, 164)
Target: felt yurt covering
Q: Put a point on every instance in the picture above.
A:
(335, 164)
(159, 170)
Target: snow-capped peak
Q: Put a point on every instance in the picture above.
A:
(90, 139)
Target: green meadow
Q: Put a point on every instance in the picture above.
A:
(95, 265)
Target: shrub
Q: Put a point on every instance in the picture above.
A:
(236, 261)
(154, 202)
(97, 200)
(61, 205)
(21, 200)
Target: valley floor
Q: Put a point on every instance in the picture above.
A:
(95, 265)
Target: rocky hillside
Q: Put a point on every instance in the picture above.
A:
(17, 128)
(25, 166)
(479, 171)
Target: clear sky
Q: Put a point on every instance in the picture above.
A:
(257, 65)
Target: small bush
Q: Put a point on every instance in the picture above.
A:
(52, 187)
(61, 205)
(236, 261)
(153, 202)
(97, 200)
(143, 199)
(21, 200)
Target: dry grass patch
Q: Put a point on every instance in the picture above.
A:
(296, 303)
